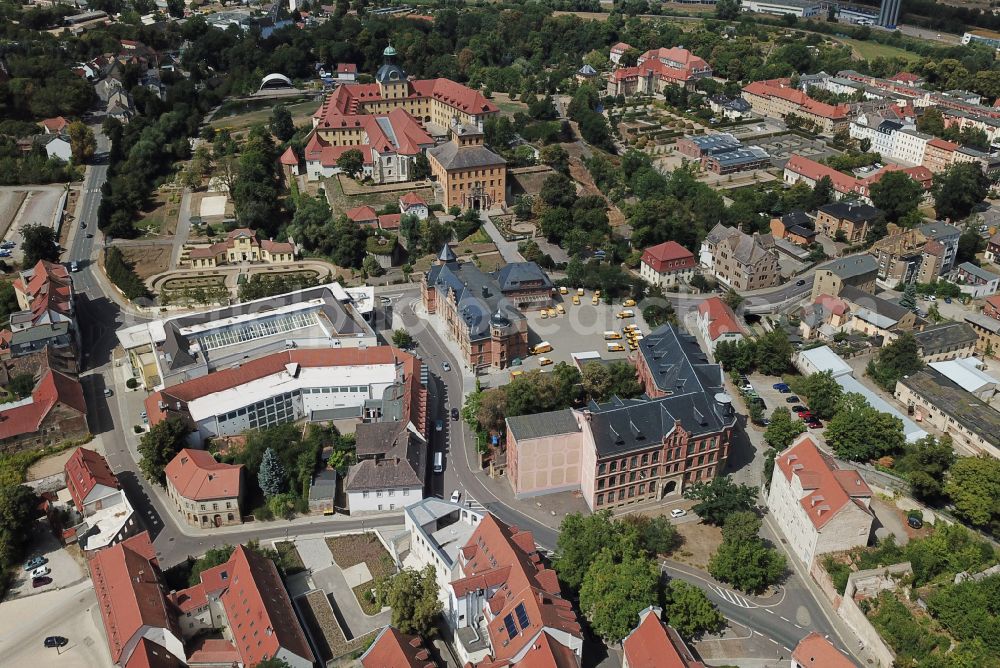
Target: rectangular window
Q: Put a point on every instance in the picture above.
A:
(601, 468)
(645, 459)
(656, 456)
(600, 499)
(613, 466)
(635, 461)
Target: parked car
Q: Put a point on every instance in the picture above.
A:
(780, 386)
(55, 641)
(815, 423)
(454, 413)
(74, 266)
(678, 512)
(40, 571)
(446, 366)
(798, 409)
(914, 522)
(40, 582)
(438, 425)
(108, 392)
(799, 283)
(947, 300)
(35, 562)
(455, 496)
(794, 399)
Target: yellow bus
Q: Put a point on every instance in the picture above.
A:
(612, 335)
(542, 347)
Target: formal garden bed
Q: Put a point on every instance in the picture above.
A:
(355, 549)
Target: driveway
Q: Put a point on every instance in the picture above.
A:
(65, 569)
(889, 517)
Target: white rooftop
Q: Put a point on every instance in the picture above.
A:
(108, 522)
(824, 359)
(879, 320)
(965, 373)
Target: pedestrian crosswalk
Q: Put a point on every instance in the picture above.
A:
(472, 504)
(732, 597)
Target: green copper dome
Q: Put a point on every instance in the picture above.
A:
(389, 51)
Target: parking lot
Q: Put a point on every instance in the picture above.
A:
(581, 329)
(764, 387)
(26, 206)
(65, 569)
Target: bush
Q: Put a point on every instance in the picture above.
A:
(131, 383)
(122, 274)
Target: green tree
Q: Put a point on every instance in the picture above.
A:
(732, 298)
(973, 484)
(22, 384)
(413, 597)
(690, 612)
(739, 356)
(861, 433)
(161, 444)
(924, 464)
(615, 591)
(39, 242)
(8, 302)
(719, 498)
(18, 510)
(896, 194)
(899, 358)
(558, 191)
(271, 476)
(581, 538)
(774, 352)
(273, 662)
(909, 298)
(81, 142)
(969, 244)
(727, 10)
(602, 382)
(958, 189)
(654, 535)
(351, 162)
(402, 338)
(743, 559)
(782, 430)
(421, 167)
(821, 391)
(556, 157)
(281, 124)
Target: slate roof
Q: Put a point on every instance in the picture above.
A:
(678, 364)
(963, 407)
(945, 336)
(451, 156)
(477, 295)
(857, 213)
(391, 457)
(540, 425)
(747, 249)
(513, 275)
(852, 265)
(873, 303)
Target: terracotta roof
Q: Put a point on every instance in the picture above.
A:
(362, 214)
(651, 645)
(393, 649)
(815, 651)
(277, 246)
(834, 305)
(815, 171)
(620, 47)
(721, 319)
(829, 489)
(943, 144)
(389, 221)
(85, 470)
(545, 652)
(54, 387)
(347, 68)
(54, 125)
(320, 150)
(196, 475)
(148, 654)
(411, 199)
(126, 580)
(675, 54)
(190, 599)
(289, 158)
(658, 256)
(349, 100)
(213, 651)
(259, 611)
(906, 77)
(505, 554)
(782, 88)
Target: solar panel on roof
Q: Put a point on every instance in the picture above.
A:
(509, 623)
(522, 615)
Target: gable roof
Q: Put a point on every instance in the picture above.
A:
(260, 614)
(782, 89)
(657, 256)
(126, 580)
(393, 649)
(815, 651)
(362, 214)
(829, 489)
(85, 470)
(196, 475)
(412, 199)
(26, 416)
(54, 125)
(289, 158)
(651, 645)
(451, 156)
(148, 654)
(721, 319)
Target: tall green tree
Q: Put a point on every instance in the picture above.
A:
(690, 612)
(581, 538)
(895, 360)
(924, 464)
(161, 444)
(81, 142)
(774, 352)
(719, 498)
(821, 391)
(958, 189)
(18, 510)
(602, 382)
(351, 162)
(271, 476)
(744, 560)
(973, 484)
(862, 433)
(782, 429)
(281, 124)
(413, 597)
(39, 242)
(896, 194)
(615, 591)
(909, 298)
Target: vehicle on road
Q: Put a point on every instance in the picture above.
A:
(781, 387)
(438, 425)
(544, 361)
(628, 302)
(611, 335)
(455, 496)
(438, 462)
(108, 392)
(627, 313)
(794, 399)
(143, 415)
(74, 266)
(35, 562)
(579, 292)
(55, 641)
(947, 300)
(83, 224)
(542, 347)
(564, 290)
(40, 571)
(4, 253)
(595, 300)
(40, 582)
(576, 300)
(799, 283)
(544, 314)
(678, 512)
(552, 313)
(454, 413)
(560, 309)
(7, 244)
(798, 407)
(615, 347)
(446, 366)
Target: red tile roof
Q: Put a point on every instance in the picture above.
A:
(54, 125)
(341, 107)
(148, 654)
(259, 612)
(363, 214)
(721, 319)
(347, 68)
(829, 489)
(393, 649)
(834, 305)
(504, 554)
(289, 158)
(412, 199)
(620, 47)
(54, 387)
(85, 470)
(943, 144)
(651, 645)
(213, 651)
(994, 301)
(906, 77)
(815, 651)
(782, 89)
(126, 580)
(389, 221)
(849, 185)
(320, 150)
(47, 287)
(545, 652)
(196, 475)
(668, 256)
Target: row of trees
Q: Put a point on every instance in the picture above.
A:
(770, 354)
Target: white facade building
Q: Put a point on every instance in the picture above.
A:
(909, 146)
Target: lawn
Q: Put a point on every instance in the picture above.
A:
(354, 549)
(290, 559)
(241, 114)
(872, 50)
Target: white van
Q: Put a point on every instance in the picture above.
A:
(438, 462)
